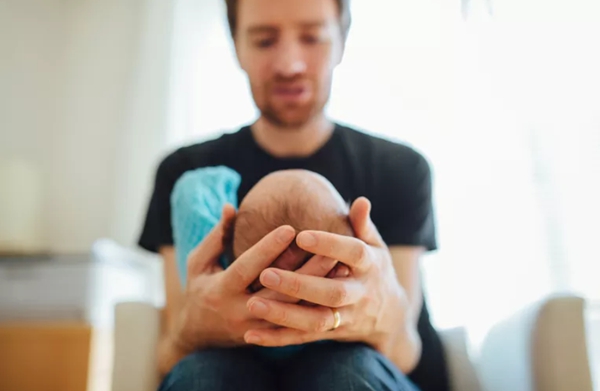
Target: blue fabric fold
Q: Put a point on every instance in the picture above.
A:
(197, 201)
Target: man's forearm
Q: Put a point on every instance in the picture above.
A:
(404, 349)
(168, 355)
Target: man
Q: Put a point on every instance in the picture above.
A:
(375, 309)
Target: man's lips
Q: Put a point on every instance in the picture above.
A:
(289, 91)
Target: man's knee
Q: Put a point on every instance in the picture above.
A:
(186, 372)
(203, 370)
(351, 366)
(218, 370)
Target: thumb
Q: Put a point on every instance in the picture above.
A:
(206, 255)
(360, 218)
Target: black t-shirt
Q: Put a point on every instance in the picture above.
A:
(395, 178)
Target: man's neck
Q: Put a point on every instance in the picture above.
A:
(297, 142)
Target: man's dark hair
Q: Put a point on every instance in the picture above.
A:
(343, 7)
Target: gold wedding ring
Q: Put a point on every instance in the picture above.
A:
(337, 319)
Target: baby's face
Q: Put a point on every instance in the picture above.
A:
(299, 198)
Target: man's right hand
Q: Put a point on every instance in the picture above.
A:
(214, 312)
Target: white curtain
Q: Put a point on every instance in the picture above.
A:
(83, 92)
(503, 99)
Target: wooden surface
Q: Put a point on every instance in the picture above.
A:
(44, 356)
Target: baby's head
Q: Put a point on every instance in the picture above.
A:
(303, 199)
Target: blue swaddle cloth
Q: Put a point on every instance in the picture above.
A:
(197, 201)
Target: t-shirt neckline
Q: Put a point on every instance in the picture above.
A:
(322, 149)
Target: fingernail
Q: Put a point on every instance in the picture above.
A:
(286, 234)
(253, 339)
(258, 307)
(306, 239)
(270, 278)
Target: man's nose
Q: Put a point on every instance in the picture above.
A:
(290, 60)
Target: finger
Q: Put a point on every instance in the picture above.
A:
(286, 337)
(314, 319)
(237, 313)
(340, 271)
(248, 266)
(276, 296)
(291, 259)
(351, 251)
(259, 324)
(363, 226)
(317, 290)
(206, 254)
(317, 265)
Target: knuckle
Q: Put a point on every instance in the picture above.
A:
(281, 317)
(322, 324)
(361, 253)
(213, 300)
(240, 272)
(338, 295)
(294, 286)
(326, 265)
(237, 319)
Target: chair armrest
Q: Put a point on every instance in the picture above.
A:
(462, 372)
(136, 334)
(541, 348)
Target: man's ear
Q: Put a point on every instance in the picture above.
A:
(341, 50)
(239, 55)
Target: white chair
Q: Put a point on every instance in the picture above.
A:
(541, 348)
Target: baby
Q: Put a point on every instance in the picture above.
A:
(302, 199)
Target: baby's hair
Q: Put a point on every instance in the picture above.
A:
(296, 208)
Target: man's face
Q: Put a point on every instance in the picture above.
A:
(289, 48)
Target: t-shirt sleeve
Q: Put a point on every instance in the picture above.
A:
(406, 210)
(157, 230)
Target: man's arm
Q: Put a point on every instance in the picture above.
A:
(405, 351)
(406, 263)
(173, 287)
(168, 355)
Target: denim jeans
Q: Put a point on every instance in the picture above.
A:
(318, 367)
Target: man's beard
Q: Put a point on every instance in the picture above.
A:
(293, 116)
(301, 116)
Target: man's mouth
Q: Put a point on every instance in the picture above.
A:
(289, 92)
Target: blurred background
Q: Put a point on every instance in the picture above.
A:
(93, 93)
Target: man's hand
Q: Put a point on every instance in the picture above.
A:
(214, 311)
(372, 304)
(293, 259)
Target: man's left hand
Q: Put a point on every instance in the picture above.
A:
(372, 305)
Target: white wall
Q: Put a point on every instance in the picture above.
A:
(75, 80)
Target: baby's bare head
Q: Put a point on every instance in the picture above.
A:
(303, 199)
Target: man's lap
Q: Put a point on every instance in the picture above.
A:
(321, 367)
(220, 370)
